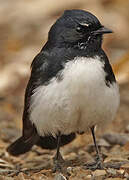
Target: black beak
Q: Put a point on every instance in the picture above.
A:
(102, 30)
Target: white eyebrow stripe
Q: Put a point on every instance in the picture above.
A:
(84, 24)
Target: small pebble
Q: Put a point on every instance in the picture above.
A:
(70, 170)
(60, 177)
(116, 138)
(111, 171)
(99, 173)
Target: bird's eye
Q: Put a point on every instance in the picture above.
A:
(78, 29)
(81, 28)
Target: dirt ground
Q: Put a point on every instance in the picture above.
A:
(23, 31)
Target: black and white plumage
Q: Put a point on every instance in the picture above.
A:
(72, 86)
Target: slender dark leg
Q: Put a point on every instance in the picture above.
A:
(94, 139)
(58, 160)
(58, 146)
(98, 161)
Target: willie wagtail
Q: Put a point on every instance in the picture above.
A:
(72, 86)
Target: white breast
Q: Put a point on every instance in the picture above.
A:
(77, 102)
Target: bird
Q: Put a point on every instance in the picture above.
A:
(72, 87)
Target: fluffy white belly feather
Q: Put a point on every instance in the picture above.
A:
(80, 100)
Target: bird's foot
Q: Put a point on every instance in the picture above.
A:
(58, 162)
(97, 164)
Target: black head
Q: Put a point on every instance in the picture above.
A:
(79, 28)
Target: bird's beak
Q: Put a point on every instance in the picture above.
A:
(102, 30)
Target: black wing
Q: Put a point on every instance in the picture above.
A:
(41, 74)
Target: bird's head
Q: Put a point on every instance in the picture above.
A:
(79, 28)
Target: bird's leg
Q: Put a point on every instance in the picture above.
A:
(98, 156)
(98, 160)
(58, 159)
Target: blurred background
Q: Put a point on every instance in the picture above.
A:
(24, 27)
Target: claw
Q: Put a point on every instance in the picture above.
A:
(58, 162)
(97, 164)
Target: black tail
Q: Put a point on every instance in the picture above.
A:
(50, 142)
(21, 146)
